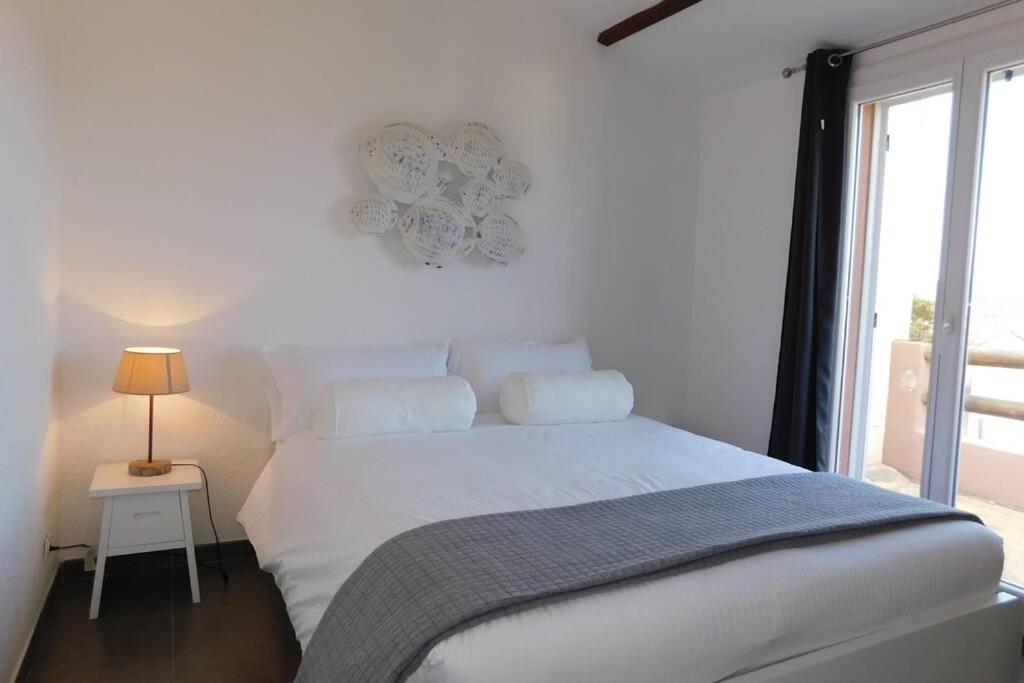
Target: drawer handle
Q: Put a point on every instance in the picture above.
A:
(145, 514)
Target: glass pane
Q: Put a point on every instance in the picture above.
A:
(906, 218)
(991, 466)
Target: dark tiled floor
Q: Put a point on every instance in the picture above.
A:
(149, 630)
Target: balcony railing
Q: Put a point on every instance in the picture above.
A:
(996, 407)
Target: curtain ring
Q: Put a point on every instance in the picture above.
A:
(835, 59)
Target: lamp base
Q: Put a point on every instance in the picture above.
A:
(144, 468)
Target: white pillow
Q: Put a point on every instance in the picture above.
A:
(566, 397)
(487, 366)
(364, 407)
(299, 371)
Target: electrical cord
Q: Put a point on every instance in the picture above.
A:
(65, 547)
(209, 510)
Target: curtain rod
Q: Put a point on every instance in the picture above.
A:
(837, 59)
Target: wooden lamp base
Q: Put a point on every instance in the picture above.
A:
(145, 468)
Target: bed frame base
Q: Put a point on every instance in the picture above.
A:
(979, 642)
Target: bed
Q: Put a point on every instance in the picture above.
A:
(320, 507)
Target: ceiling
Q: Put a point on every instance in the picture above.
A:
(721, 44)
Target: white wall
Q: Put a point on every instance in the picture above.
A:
(209, 152)
(28, 290)
(741, 248)
(641, 301)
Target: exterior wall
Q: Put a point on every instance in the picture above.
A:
(905, 413)
(984, 471)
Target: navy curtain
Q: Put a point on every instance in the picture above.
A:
(806, 375)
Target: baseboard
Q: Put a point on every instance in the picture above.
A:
(18, 675)
(74, 568)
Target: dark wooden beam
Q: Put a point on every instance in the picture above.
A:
(641, 20)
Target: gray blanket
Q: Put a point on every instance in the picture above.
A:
(430, 582)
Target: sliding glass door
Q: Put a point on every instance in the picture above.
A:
(932, 394)
(990, 468)
(898, 239)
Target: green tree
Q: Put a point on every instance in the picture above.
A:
(922, 320)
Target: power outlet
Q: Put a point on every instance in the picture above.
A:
(46, 546)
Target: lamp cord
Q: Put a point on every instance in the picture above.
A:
(209, 510)
(65, 547)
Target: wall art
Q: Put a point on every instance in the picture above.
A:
(443, 196)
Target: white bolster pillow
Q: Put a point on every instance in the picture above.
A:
(393, 406)
(529, 398)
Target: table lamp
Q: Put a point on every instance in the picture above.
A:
(151, 371)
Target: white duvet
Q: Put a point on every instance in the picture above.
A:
(320, 507)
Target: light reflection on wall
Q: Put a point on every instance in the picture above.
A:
(113, 430)
(172, 305)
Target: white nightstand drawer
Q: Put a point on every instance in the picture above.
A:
(146, 518)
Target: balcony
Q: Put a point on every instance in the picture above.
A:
(991, 468)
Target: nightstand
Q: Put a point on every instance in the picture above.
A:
(143, 514)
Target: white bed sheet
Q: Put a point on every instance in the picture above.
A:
(320, 507)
